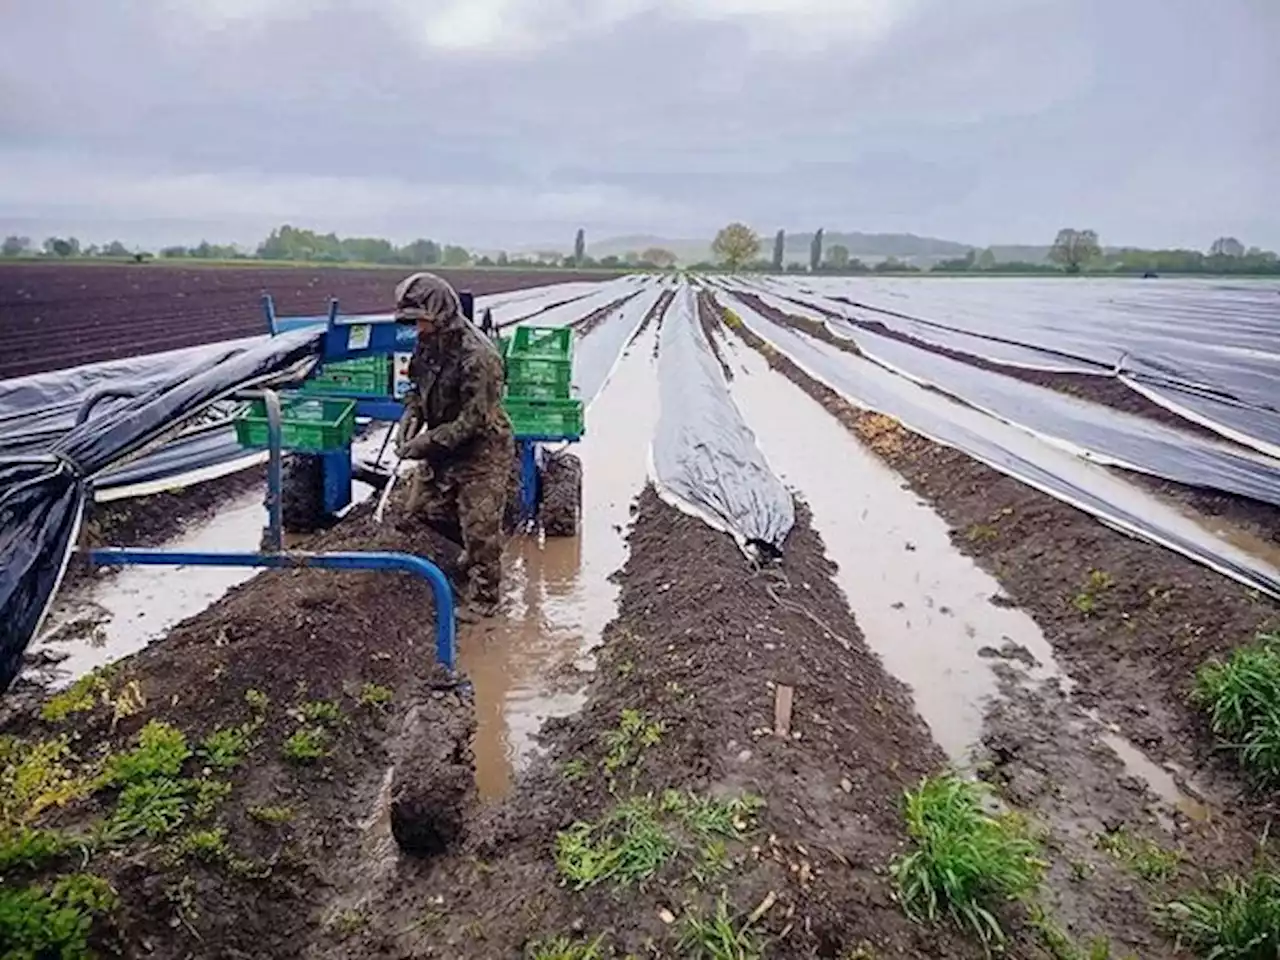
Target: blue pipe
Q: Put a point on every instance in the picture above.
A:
(446, 628)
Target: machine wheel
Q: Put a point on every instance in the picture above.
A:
(561, 495)
(302, 509)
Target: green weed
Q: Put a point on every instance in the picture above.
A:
(965, 861)
(1059, 944)
(628, 741)
(627, 846)
(37, 922)
(80, 697)
(1086, 601)
(1145, 857)
(227, 746)
(574, 770)
(348, 922)
(640, 836)
(562, 948)
(35, 777)
(257, 700)
(152, 807)
(1242, 697)
(306, 746)
(1239, 919)
(321, 712)
(207, 846)
(719, 937)
(30, 848)
(271, 815)
(372, 695)
(206, 795)
(160, 753)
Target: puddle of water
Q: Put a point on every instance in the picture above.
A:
(558, 598)
(1268, 551)
(924, 607)
(112, 617)
(1162, 780)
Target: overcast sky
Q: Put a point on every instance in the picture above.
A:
(502, 122)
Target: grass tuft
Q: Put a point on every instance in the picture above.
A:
(719, 937)
(1239, 919)
(965, 861)
(562, 948)
(161, 751)
(1242, 698)
(80, 697)
(628, 741)
(1144, 857)
(321, 712)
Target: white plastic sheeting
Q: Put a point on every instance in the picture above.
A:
(596, 355)
(1011, 451)
(704, 457)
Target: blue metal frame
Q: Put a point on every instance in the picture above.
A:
(379, 334)
(446, 630)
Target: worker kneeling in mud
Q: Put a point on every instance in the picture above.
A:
(455, 425)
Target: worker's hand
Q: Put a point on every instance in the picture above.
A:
(408, 428)
(419, 448)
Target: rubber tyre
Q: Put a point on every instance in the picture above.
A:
(302, 510)
(561, 495)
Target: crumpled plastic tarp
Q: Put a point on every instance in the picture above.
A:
(42, 495)
(704, 457)
(1011, 451)
(1092, 431)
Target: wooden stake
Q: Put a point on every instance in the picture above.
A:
(782, 698)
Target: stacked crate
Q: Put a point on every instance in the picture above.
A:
(539, 371)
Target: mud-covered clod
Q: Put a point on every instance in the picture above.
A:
(434, 784)
(561, 495)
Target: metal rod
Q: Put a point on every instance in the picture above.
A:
(446, 627)
(275, 474)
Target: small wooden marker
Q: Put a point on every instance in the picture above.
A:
(782, 697)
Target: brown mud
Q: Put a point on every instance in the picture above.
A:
(1129, 621)
(655, 314)
(598, 316)
(362, 643)
(699, 650)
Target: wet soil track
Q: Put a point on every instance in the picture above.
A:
(701, 643)
(57, 315)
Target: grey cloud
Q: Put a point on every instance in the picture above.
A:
(995, 121)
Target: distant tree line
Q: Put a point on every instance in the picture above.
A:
(289, 243)
(737, 247)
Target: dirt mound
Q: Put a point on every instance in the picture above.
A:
(282, 711)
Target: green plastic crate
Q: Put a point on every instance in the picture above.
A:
(545, 418)
(539, 377)
(555, 343)
(367, 375)
(313, 424)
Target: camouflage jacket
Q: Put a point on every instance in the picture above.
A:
(458, 379)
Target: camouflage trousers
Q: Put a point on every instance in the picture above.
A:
(465, 501)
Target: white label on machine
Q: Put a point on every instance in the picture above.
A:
(400, 381)
(358, 338)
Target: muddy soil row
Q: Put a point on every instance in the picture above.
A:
(1130, 621)
(598, 316)
(685, 698)
(286, 705)
(1259, 520)
(59, 315)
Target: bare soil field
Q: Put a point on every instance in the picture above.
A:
(58, 315)
(285, 774)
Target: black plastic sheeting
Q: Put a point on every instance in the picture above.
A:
(1087, 429)
(704, 457)
(42, 497)
(1206, 351)
(1011, 451)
